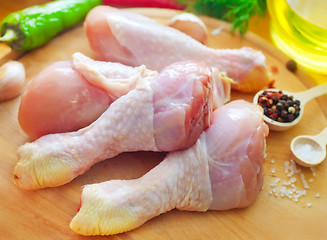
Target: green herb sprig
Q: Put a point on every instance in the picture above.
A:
(238, 12)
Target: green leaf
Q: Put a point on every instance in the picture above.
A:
(238, 12)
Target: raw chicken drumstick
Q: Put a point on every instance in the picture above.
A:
(133, 39)
(223, 170)
(69, 95)
(164, 113)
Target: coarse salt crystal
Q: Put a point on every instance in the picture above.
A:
(286, 165)
(317, 195)
(313, 170)
(290, 191)
(272, 161)
(217, 30)
(286, 183)
(309, 204)
(305, 184)
(272, 170)
(274, 184)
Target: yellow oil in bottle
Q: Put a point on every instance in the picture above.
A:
(300, 31)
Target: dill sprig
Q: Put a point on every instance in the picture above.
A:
(238, 12)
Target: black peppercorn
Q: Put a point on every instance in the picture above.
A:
(291, 65)
(289, 103)
(297, 102)
(265, 112)
(275, 99)
(279, 106)
(284, 97)
(290, 117)
(283, 114)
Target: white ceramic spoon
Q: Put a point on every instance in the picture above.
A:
(304, 97)
(308, 150)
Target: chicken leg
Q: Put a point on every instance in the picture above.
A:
(132, 39)
(164, 113)
(69, 95)
(221, 171)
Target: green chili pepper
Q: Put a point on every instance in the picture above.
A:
(34, 26)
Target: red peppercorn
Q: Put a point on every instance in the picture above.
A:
(263, 100)
(274, 69)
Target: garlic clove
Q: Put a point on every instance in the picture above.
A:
(12, 79)
(191, 25)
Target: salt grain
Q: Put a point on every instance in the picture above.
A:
(305, 184)
(286, 165)
(217, 30)
(317, 195)
(313, 170)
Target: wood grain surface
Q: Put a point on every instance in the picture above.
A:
(45, 214)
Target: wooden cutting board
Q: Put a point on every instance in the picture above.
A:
(46, 214)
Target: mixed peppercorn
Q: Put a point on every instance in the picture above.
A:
(279, 106)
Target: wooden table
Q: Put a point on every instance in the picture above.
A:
(43, 215)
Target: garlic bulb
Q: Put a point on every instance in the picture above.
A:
(12, 78)
(191, 25)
